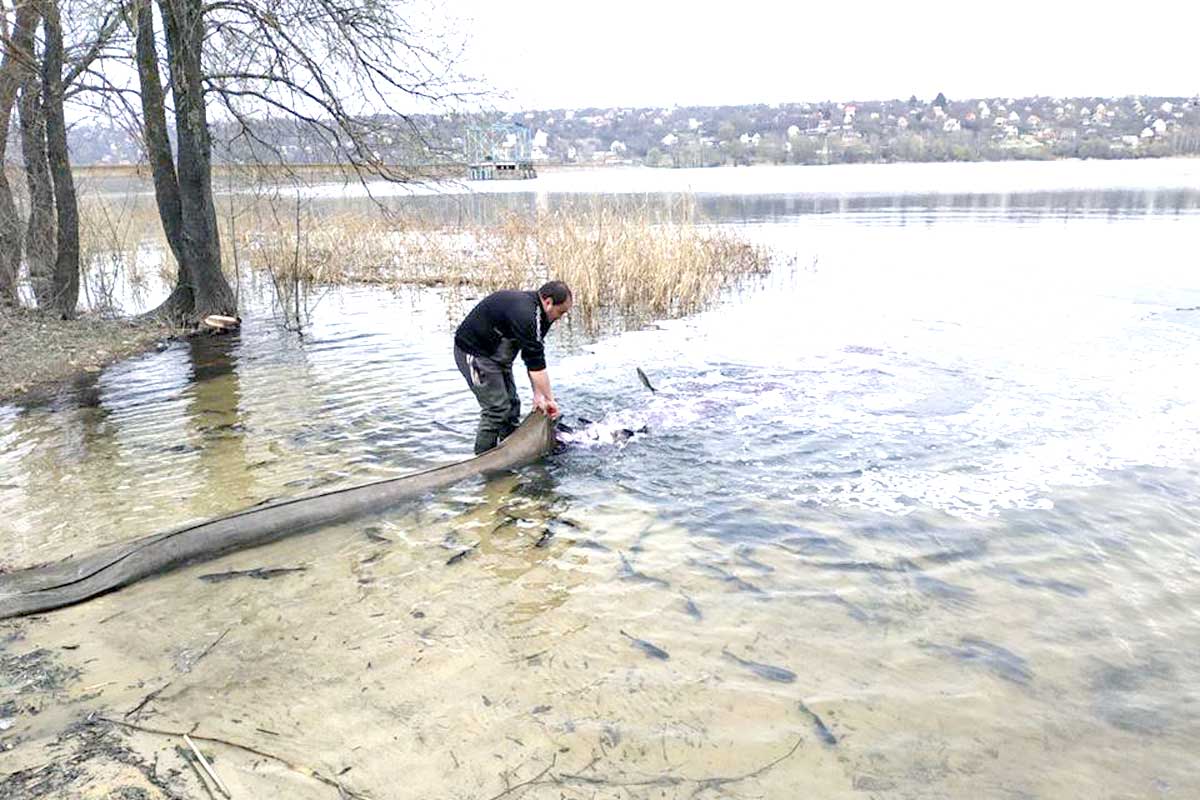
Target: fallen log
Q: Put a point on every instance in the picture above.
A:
(75, 579)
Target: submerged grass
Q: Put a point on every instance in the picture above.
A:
(626, 263)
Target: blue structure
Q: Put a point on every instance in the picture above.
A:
(502, 150)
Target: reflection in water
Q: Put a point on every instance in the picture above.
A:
(945, 478)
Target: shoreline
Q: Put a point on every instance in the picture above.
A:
(41, 355)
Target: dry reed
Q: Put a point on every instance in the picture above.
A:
(624, 263)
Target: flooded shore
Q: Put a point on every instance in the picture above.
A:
(913, 516)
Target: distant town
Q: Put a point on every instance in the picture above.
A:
(934, 129)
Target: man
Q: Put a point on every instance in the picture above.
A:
(486, 344)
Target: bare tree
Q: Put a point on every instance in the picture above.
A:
(40, 74)
(66, 264)
(339, 68)
(40, 244)
(16, 65)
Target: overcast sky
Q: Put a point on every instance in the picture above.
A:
(650, 53)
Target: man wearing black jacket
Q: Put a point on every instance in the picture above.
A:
(486, 344)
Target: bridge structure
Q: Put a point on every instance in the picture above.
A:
(500, 151)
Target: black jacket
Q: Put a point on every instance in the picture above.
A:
(502, 320)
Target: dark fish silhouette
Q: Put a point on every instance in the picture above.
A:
(259, 573)
(628, 573)
(645, 381)
(728, 577)
(653, 651)
(1001, 661)
(823, 732)
(692, 609)
(763, 670)
(461, 554)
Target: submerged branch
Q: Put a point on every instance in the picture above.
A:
(300, 768)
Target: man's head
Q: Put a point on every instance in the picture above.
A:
(556, 299)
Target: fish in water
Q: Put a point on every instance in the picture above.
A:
(461, 554)
(628, 573)
(260, 573)
(1001, 661)
(374, 535)
(645, 381)
(766, 671)
(728, 577)
(691, 608)
(651, 650)
(823, 732)
(596, 433)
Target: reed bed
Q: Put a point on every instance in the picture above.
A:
(627, 263)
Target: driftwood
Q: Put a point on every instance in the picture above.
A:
(73, 579)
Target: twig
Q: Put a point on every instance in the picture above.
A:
(207, 767)
(146, 700)
(206, 650)
(532, 780)
(201, 776)
(303, 770)
(675, 780)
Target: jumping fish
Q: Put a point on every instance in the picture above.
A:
(763, 670)
(645, 381)
(653, 651)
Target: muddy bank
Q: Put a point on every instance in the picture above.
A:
(39, 353)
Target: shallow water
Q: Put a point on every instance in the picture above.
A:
(942, 466)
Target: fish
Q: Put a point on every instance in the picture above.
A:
(1001, 661)
(743, 555)
(691, 608)
(645, 381)
(651, 650)
(259, 573)
(461, 554)
(823, 732)
(628, 573)
(771, 673)
(544, 539)
(854, 611)
(374, 535)
(728, 577)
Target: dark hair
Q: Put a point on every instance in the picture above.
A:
(557, 291)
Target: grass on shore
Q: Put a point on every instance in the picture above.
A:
(626, 263)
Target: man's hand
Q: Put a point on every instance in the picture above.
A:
(543, 396)
(546, 404)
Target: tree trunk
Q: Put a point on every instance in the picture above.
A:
(17, 58)
(40, 244)
(184, 191)
(66, 266)
(158, 144)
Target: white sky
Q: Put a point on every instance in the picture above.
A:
(566, 54)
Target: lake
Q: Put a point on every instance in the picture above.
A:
(941, 467)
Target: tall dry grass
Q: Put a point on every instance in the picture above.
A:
(626, 263)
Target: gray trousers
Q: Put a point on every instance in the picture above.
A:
(491, 381)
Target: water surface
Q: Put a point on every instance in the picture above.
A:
(942, 466)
